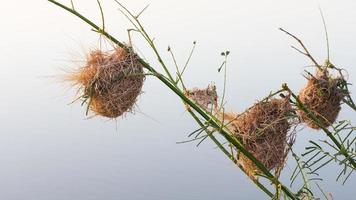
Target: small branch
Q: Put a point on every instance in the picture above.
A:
(306, 53)
(72, 4)
(143, 10)
(189, 57)
(102, 16)
(224, 65)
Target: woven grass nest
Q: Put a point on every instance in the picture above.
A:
(263, 130)
(110, 82)
(322, 97)
(207, 98)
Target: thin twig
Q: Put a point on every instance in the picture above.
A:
(102, 15)
(306, 53)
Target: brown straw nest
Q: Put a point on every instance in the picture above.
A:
(263, 130)
(110, 82)
(322, 97)
(206, 98)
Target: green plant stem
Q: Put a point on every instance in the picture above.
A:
(351, 105)
(304, 177)
(349, 101)
(211, 119)
(340, 146)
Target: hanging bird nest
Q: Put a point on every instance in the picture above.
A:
(110, 82)
(263, 130)
(322, 97)
(206, 98)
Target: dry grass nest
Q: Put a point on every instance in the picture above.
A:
(322, 97)
(263, 130)
(206, 98)
(110, 82)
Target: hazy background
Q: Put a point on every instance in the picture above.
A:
(50, 151)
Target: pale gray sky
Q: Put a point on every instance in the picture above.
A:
(49, 151)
